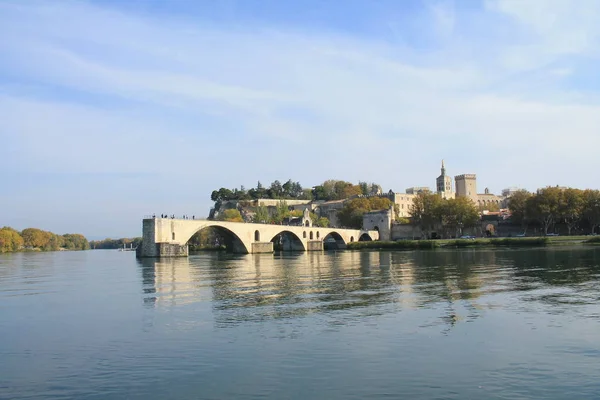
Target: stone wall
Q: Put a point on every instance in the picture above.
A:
(172, 250)
(405, 231)
(262, 247)
(314, 245)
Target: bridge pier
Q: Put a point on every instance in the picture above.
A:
(314, 245)
(262, 247)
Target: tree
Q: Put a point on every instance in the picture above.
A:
(282, 211)
(426, 212)
(517, 204)
(75, 241)
(296, 213)
(35, 238)
(261, 216)
(459, 213)
(231, 215)
(287, 189)
(571, 207)
(276, 190)
(591, 208)
(10, 240)
(322, 222)
(545, 206)
(222, 194)
(54, 243)
(351, 215)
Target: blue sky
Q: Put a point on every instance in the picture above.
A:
(111, 110)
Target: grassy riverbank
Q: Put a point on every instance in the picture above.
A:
(459, 243)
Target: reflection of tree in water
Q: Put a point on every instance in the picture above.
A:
(538, 274)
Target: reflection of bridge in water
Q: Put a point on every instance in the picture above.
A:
(344, 286)
(163, 237)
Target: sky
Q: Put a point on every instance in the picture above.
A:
(113, 110)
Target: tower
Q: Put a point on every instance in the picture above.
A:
(444, 184)
(466, 186)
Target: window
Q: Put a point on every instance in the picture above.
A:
(311, 235)
(304, 234)
(317, 235)
(256, 236)
(173, 234)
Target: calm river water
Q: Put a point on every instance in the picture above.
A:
(466, 324)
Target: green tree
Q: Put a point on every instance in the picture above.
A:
(276, 190)
(351, 215)
(282, 211)
(591, 208)
(457, 214)
(545, 206)
(322, 222)
(261, 216)
(426, 212)
(518, 206)
(571, 207)
(231, 215)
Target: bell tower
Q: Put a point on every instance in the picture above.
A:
(444, 184)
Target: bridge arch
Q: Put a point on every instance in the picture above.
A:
(334, 241)
(365, 237)
(224, 237)
(287, 241)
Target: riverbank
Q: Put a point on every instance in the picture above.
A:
(483, 242)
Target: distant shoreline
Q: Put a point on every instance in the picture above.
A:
(482, 242)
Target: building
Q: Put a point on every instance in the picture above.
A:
(417, 190)
(444, 184)
(466, 186)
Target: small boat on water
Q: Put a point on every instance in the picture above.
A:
(125, 248)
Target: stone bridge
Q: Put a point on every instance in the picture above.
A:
(166, 237)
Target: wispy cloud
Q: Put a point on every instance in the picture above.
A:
(196, 104)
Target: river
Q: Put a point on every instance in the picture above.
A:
(440, 324)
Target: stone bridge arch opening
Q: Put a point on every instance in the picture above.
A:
(365, 237)
(287, 241)
(333, 241)
(214, 237)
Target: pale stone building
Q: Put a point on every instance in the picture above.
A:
(444, 184)
(466, 186)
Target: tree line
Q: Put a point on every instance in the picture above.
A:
(575, 208)
(116, 243)
(12, 240)
(329, 190)
(430, 212)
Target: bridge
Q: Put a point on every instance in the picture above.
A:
(166, 237)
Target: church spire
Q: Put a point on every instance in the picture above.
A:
(443, 168)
